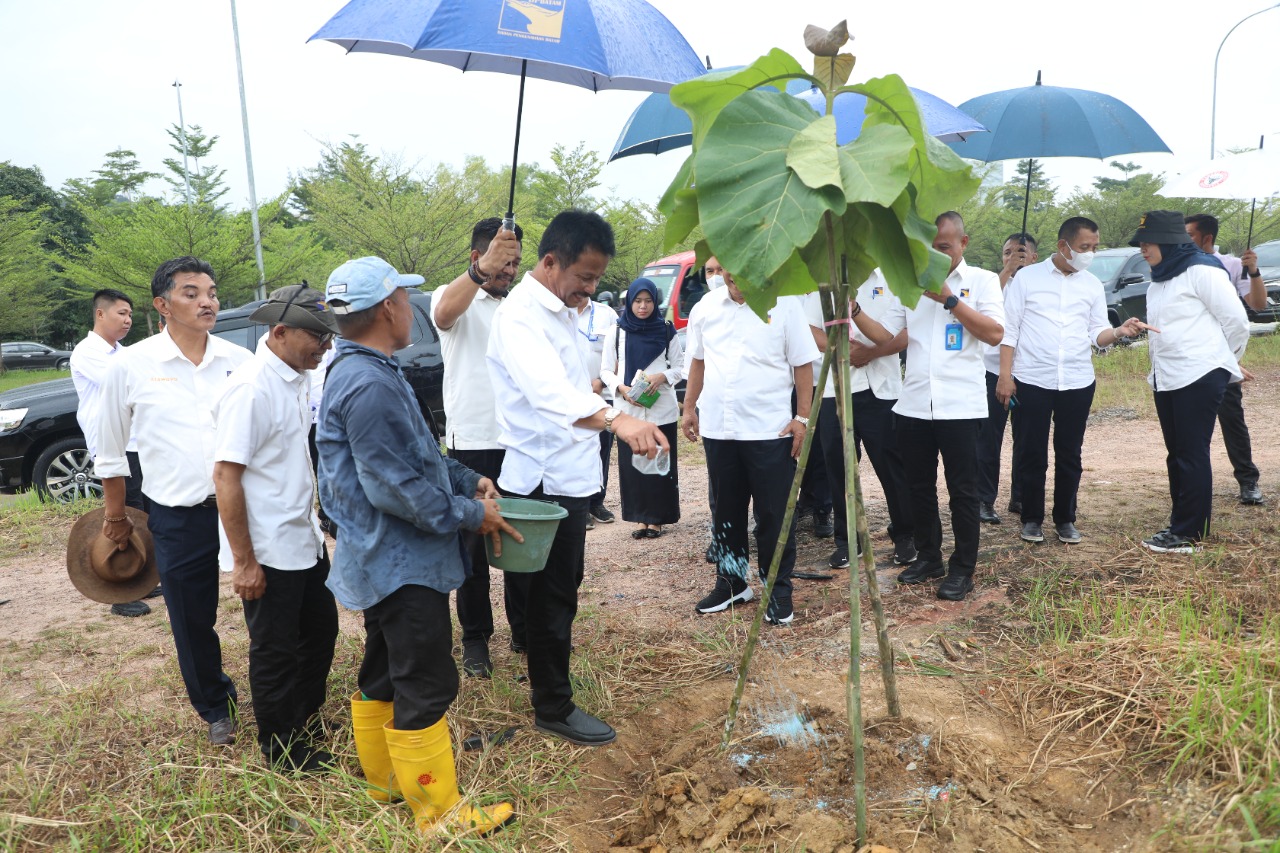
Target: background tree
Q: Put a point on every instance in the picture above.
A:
(1015, 191)
(27, 291)
(207, 185)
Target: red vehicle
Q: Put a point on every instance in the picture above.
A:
(681, 283)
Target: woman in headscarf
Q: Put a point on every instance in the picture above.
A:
(643, 342)
(1198, 332)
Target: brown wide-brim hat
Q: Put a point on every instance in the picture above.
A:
(104, 573)
(297, 305)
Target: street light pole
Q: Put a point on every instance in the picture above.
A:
(1213, 117)
(248, 159)
(182, 134)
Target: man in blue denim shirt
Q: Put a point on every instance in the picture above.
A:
(399, 505)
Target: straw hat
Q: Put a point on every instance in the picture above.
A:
(104, 573)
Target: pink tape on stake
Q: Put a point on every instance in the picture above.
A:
(838, 322)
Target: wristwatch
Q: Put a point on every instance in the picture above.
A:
(950, 302)
(609, 416)
(804, 421)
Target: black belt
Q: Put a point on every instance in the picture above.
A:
(210, 502)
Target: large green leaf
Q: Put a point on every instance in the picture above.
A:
(943, 181)
(679, 204)
(813, 155)
(756, 211)
(704, 97)
(890, 246)
(791, 279)
(833, 71)
(874, 166)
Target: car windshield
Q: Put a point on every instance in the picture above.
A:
(1268, 254)
(662, 277)
(1105, 267)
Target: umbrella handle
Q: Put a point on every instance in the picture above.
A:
(515, 154)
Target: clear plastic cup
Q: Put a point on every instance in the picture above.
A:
(659, 465)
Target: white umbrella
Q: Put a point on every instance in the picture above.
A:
(1247, 175)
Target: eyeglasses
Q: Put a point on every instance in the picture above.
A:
(322, 338)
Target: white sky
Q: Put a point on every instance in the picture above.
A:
(82, 77)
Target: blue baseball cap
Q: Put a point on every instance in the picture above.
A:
(363, 283)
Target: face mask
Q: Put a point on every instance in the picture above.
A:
(1079, 261)
(715, 281)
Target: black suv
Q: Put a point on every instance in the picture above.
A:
(41, 444)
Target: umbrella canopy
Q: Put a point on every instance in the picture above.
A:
(595, 44)
(1050, 121)
(658, 125)
(1250, 174)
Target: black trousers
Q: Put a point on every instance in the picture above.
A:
(921, 442)
(650, 498)
(408, 656)
(552, 606)
(1235, 435)
(475, 612)
(873, 427)
(759, 472)
(292, 631)
(606, 446)
(186, 544)
(816, 490)
(1068, 412)
(133, 495)
(1186, 419)
(990, 441)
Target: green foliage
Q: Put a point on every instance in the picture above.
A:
(779, 200)
(33, 194)
(120, 179)
(206, 181)
(27, 289)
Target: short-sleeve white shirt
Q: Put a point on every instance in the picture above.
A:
(748, 365)
(470, 422)
(594, 324)
(943, 383)
(89, 363)
(262, 420)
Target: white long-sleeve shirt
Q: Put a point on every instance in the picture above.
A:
(748, 365)
(152, 392)
(1203, 326)
(539, 368)
(666, 409)
(1052, 320)
(89, 363)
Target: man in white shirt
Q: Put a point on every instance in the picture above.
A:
(1244, 275)
(112, 320)
(943, 403)
(875, 377)
(594, 322)
(742, 372)
(462, 312)
(1019, 251)
(266, 500)
(1054, 313)
(161, 391)
(549, 419)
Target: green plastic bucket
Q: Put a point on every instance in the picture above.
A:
(537, 522)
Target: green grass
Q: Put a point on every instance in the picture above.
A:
(11, 379)
(30, 523)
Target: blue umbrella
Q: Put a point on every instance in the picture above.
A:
(658, 125)
(1050, 121)
(595, 44)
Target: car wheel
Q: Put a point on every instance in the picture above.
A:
(64, 472)
(63, 364)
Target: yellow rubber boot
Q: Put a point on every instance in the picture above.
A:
(368, 717)
(423, 762)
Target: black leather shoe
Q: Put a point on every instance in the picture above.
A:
(987, 514)
(1067, 533)
(1032, 531)
(131, 608)
(955, 587)
(475, 659)
(921, 571)
(1015, 507)
(1251, 495)
(580, 728)
(823, 527)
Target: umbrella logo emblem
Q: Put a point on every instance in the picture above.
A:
(1212, 180)
(540, 20)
